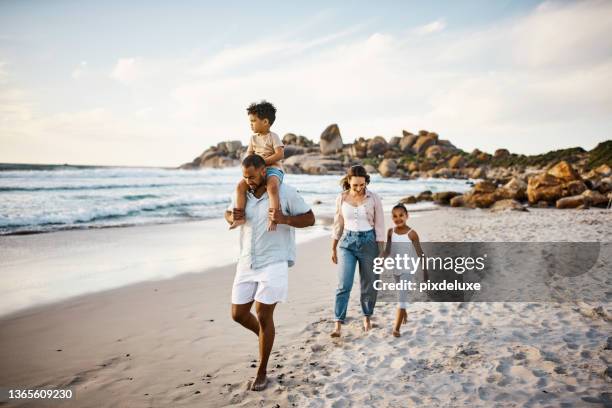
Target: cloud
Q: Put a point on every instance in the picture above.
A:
(433, 27)
(78, 72)
(128, 70)
(529, 83)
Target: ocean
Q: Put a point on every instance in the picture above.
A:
(60, 235)
(46, 198)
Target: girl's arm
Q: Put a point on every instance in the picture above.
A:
(414, 237)
(279, 154)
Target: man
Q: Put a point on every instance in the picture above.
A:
(265, 256)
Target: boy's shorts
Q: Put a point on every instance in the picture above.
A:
(268, 284)
(273, 171)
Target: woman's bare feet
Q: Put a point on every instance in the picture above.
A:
(396, 333)
(260, 383)
(367, 325)
(336, 332)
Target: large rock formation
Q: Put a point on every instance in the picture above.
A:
(331, 140)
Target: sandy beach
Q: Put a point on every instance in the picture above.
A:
(172, 342)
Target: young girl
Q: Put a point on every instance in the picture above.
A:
(402, 240)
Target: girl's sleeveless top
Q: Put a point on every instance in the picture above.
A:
(400, 245)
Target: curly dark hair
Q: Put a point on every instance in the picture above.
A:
(263, 110)
(400, 206)
(354, 171)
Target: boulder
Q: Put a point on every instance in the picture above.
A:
(387, 167)
(604, 170)
(457, 201)
(443, 173)
(425, 196)
(303, 141)
(331, 140)
(456, 162)
(289, 139)
(413, 166)
(515, 189)
(544, 187)
(233, 146)
(370, 169)
(605, 185)
(292, 150)
(444, 197)
(507, 205)
(595, 198)
(407, 142)
(408, 200)
(571, 202)
(395, 141)
(482, 195)
(359, 149)
(564, 171)
(446, 144)
(433, 152)
(501, 153)
(377, 146)
(574, 187)
(478, 173)
(483, 187)
(422, 143)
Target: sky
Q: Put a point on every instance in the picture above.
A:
(155, 83)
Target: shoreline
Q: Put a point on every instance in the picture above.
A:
(172, 342)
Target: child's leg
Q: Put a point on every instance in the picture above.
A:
(400, 318)
(272, 186)
(241, 190)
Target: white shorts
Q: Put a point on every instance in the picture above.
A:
(268, 285)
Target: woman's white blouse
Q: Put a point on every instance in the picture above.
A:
(355, 218)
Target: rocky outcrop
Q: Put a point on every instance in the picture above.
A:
(563, 178)
(444, 197)
(224, 154)
(331, 140)
(387, 168)
(377, 146)
(423, 142)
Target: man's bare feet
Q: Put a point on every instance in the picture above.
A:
(396, 333)
(367, 325)
(336, 332)
(237, 223)
(260, 383)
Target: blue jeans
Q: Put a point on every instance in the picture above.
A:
(356, 247)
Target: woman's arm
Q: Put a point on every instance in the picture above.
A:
(337, 227)
(379, 219)
(388, 247)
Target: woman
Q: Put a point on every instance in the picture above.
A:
(358, 237)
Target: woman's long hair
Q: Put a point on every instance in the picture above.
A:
(354, 171)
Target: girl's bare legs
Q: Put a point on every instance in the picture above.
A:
(367, 325)
(401, 318)
(241, 190)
